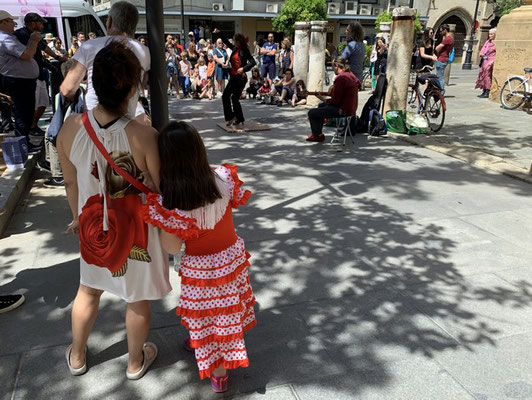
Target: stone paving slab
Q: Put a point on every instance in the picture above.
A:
(8, 374)
(493, 371)
(413, 379)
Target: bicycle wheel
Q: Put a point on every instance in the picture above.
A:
(434, 110)
(412, 99)
(366, 81)
(513, 93)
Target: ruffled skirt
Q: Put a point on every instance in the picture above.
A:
(216, 306)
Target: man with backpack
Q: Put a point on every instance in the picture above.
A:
(443, 51)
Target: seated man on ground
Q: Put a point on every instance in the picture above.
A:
(343, 101)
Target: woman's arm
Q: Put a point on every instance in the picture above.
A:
(250, 61)
(217, 34)
(64, 143)
(291, 59)
(170, 242)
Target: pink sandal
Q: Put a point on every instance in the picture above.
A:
(187, 346)
(219, 383)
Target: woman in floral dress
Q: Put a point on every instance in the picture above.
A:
(120, 254)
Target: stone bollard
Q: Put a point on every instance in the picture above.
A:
(399, 58)
(301, 52)
(316, 72)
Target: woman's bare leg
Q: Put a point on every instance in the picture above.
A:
(220, 371)
(138, 316)
(84, 313)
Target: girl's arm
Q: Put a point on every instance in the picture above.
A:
(170, 242)
(291, 59)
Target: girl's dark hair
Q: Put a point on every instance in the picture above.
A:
(187, 180)
(356, 32)
(115, 73)
(301, 83)
(342, 64)
(240, 39)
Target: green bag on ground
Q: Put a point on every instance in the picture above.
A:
(416, 123)
(395, 121)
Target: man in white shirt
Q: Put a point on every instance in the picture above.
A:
(121, 25)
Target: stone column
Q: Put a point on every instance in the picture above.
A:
(513, 43)
(447, 74)
(301, 51)
(399, 58)
(385, 31)
(316, 72)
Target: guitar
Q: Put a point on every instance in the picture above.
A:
(305, 93)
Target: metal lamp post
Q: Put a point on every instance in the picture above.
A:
(469, 53)
(157, 73)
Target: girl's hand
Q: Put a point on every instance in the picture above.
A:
(73, 227)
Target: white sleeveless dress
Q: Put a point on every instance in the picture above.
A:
(138, 280)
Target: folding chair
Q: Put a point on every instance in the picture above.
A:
(346, 130)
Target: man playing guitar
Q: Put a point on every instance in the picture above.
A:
(343, 101)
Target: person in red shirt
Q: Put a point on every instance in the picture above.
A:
(241, 62)
(343, 101)
(442, 53)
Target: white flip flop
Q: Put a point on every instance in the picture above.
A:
(76, 371)
(146, 363)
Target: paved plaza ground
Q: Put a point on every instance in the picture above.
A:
(384, 271)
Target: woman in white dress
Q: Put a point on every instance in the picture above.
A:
(119, 253)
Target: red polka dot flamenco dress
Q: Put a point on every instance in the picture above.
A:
(216, 302)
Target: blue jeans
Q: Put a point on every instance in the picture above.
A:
(440, 71)
(184, 82)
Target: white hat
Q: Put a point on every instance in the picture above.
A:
(5, 15)
(191, 33)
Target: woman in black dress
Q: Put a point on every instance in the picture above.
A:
(426, 48)
(241, 62)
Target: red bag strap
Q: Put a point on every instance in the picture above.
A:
(99, 145)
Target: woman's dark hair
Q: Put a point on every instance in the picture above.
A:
(301, 83)
(187, 181)
(115, 73)
(356, 32)
(426, 36)
(289, 70)
(240, 39)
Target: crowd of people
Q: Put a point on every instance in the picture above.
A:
(29, 66)
(202, 68)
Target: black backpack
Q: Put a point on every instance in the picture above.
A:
(374, 103)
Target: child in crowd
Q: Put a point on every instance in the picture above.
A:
(195, 207)
(196, 84)
(208, 90)
(185, 71)
(211, 64)
(300, 97)
(202, 70)
(254, 83)
(265, 88)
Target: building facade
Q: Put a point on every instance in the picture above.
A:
(253, 18)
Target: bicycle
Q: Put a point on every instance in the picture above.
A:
(516, 90)
(366, 79)
(431, 102)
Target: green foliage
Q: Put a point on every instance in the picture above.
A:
(503, 7)
(367, 55)
(293, 11)
(341, 47)
(386, 16)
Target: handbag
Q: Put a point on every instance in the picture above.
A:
(481, 62)
(123, 235)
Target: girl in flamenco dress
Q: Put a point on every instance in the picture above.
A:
(195, 207)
